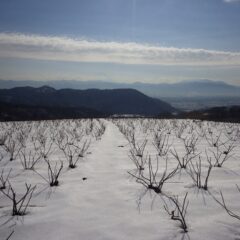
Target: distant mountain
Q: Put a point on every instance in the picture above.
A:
(117, 101)
(195, 88)
(202, 88)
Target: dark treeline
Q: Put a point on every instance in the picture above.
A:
(11, 112)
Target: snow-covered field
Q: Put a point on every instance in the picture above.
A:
(119, 179)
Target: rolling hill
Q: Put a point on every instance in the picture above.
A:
(107, 102)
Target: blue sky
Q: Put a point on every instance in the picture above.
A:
(120, 40)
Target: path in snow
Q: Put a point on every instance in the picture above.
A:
(102, 207)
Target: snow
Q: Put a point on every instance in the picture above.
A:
(110, 204)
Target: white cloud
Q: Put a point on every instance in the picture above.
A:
(81, 50)
(231, 1)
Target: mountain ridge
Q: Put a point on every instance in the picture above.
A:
(116, 101)
(189, 88)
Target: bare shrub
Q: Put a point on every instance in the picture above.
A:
(1, 156)
(161, 143)
(138, 148)
(20, 205)
(3, 138)
(222, 203)
(190, 144)
(214, 140)
(29, 159)
(71, 150)
(83, 148)
(195, 171)
(22, 136)
(10, 235)
(185, 160)
(222, 155)
(53, 173)
(4, 179)
(179, 211)
(99, 130)
(138, 161)
(151, 179)
(42, 144)
(12, 147)
(179, 130)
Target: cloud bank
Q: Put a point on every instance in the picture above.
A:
(231, 1)
(16, 45)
